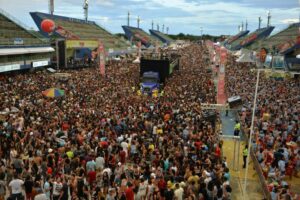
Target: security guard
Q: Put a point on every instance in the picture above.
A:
(139, 93)
(237, 128)
(162, 93)
(245, 154)
(155, 93)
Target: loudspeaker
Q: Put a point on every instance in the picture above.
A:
(234, 101)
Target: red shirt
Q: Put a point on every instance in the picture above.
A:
(92, 176)
(122, 155)
(129, 194)
(198, 145)
(218, 152)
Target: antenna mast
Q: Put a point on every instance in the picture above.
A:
(269, 19)
(51, 7)
(86, 9)
(138, 22)
(259, 22)
(128, 18)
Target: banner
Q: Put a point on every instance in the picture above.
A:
(101, 54)
(65, 33)
(139, 49)
(249, 39)
(223, 55)
(262, 55)
(81, 43)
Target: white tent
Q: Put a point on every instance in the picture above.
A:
(246, 56)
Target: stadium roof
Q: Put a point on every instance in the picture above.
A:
(72, 28)
(235, 37)
(280, 42)
(247, 40)
(137, 34)
(161, 36)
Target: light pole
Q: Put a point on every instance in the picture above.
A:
(201, 30)
(251, 131)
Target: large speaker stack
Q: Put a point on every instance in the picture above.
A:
(234, 101)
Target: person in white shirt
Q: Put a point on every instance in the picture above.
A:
(57, 187)
(178, 192)
(40, 195)
(100, 162)
(15, 187)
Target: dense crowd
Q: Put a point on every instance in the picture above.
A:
(103, 141)
(276, 138)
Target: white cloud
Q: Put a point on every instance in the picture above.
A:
(290, 21)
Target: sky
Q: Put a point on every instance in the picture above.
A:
(216, 17)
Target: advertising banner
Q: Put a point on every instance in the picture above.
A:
(101, 54)
(81, 43)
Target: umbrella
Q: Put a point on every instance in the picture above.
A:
(54, 92)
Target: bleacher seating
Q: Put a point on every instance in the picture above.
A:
(9, 31)
(281, 37)
(257, 36)
(84, 30)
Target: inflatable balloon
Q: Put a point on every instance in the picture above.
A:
(48, 25)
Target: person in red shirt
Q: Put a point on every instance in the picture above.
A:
(218, 151)
(129, 192)
(91, 177)
(122, 155)
(162, 185)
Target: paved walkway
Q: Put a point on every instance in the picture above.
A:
(238, 173)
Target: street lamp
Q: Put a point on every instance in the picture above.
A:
(201, 29)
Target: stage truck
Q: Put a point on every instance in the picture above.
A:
(154, 69)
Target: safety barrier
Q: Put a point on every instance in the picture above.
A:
(258, 169)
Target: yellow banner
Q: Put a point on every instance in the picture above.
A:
(81, 43)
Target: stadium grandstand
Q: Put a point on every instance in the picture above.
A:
(80, 37)
(253, 37)
(20, 48)
(164, 38)
(279, 42)
(227, 43)
(281, 48)
(136, 34)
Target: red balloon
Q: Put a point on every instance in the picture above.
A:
(48, 25)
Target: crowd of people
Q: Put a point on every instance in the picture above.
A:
(103, 141)
(276, 136)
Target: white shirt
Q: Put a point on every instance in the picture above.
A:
(124, 145)
(100, 162)
(41, 197)
(179, 193)
(57, 188)
(16, 186)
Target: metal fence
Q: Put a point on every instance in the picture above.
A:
(258, 169)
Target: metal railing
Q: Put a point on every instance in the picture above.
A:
(258, 169)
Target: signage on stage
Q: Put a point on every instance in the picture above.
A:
(6, 68)
(206, 106)
(40, 63)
